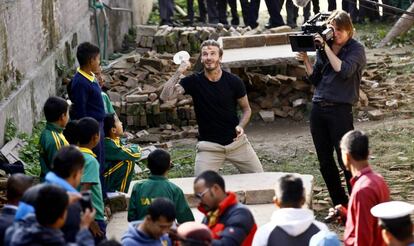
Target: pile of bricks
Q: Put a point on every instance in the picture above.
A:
(135, 84)
(285, 94)
(172, 39)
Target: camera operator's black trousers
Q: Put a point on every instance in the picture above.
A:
(328, 123)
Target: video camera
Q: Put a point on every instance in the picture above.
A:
(305, 41)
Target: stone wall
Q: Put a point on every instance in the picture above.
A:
(38, 40)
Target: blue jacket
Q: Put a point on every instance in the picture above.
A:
(6, 220)
(73, 218)
(134, 237)
(35, 234)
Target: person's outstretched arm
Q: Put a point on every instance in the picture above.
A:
(172, 88)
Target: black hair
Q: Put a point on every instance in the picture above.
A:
(30, 195)
(71, 132)
(51, 203)
(158, 161)
(161, 207)
(17, 184)
(109, 123)
(86, 52)
(67, 161)
(87, 128)
(356, 143)
(290, 191)
(54, 108)
(111, 242)
(401, 228)
(210, 178)
(194, 242)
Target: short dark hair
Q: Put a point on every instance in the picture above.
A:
(158, 161)
(161, 207)
(111, 242)
(30, 195)
(401, 228)
(54, 108)
(67, 160)
(212, 42)
(87, 128)
(210, 178)
(86, 52)
(51, 203)
(71, 132)
(290, 191)
(356, 143)
(109, 123)
(17, 184)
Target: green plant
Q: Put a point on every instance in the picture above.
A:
(30, 152)
(11, 130)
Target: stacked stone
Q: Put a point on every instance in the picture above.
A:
(172, 39)
(135, 85)
(283, 95)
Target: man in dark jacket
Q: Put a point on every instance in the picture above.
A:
(230, 222)
(51, 212)
(17, 184)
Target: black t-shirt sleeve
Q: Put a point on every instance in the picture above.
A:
(238, 86)
(188, 84)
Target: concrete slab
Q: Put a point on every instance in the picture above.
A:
(260, 56)
(251, 188)
(118, 224)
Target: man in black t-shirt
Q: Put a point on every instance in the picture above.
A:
(216, 94)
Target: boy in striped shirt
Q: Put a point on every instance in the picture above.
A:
(56, 111)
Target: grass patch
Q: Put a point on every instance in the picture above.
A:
(392, 154)
(370, 34)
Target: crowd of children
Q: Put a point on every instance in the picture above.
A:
(83, 159)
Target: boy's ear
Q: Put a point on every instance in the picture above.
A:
(96, 137)
(62, 116)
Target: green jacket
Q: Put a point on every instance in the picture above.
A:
(157, 186)
(119, 164)
(51, 140)
(109, 109)
(91, 175)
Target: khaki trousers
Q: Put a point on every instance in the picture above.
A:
(211, 156)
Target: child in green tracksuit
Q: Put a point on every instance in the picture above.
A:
(56, 111)
(109, 109)
(88, 138)
(119, 160)
(157, 185)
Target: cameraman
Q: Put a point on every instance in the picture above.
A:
(336, 76)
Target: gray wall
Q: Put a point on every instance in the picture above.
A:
(35, 36)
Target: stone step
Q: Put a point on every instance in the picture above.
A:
(251, 188)
(260, 56)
